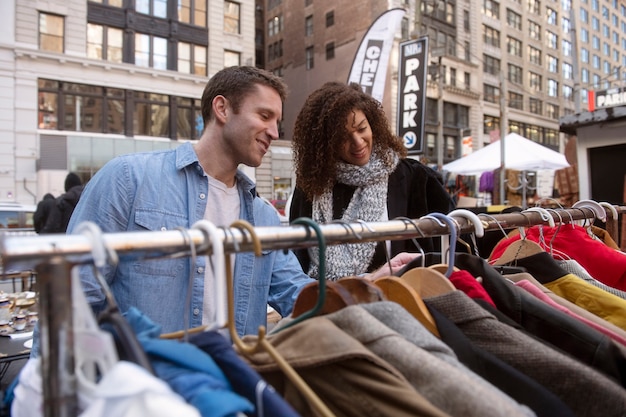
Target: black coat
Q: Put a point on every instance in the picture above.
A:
(61, 211)
(40, 217)
(414, 190)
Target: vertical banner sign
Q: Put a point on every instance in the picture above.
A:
(412, 93)
(369, 67)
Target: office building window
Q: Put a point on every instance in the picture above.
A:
(232, 59)
(156, 8)
(51, 32)
(150, 51)
(491, 8)
(330, 19)
(534, 80)
(513, 19)
(491, 93)
(535, 105)
(553, 64)
(534, 6)
(568, 71)
(491, 65)
(491, 36)
(188, 118)
(553, 88)
(104, 43)
(516, 101)
(330, 50)
(552, 111)
(552, 40)
(193, 12)
(231, 17)
(310, 58)
(534, 55)
(514, 46)
(114, 3)
(152, 114)
(308, 26)
(534, 30)
(80, 107)
(551, 16)
(515, 74)
(192, 59)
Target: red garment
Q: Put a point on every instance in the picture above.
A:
(605, 264)
(465, 282)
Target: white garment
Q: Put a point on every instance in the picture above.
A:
(222, 209)
(129, 391)
(545, 183)
(28, 393)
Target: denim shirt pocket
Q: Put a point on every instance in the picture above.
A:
(154, 221)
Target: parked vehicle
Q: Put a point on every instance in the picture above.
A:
(16, 217)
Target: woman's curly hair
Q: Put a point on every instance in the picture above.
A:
(320, 130)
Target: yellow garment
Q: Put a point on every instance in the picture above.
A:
(593, 299)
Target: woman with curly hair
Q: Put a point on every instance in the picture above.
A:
(349, 167)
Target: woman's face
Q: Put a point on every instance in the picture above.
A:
(357, 147)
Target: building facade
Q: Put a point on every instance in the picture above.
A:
(519, 63)
(84, 81)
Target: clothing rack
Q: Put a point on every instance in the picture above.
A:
(53, 256)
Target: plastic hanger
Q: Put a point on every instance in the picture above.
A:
(218, 265)
(555, 253)
(94, 349)
(479, 228)
(262, 344)
(446, 245)
(321, 244)
(127, 346)
(611, 208)
(594, 206)
(216, 259)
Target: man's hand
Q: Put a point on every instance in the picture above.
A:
(396, 263)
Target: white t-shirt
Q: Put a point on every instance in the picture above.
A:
(222, 209)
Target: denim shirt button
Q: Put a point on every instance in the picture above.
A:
(196, 311)
(200, 269)
(202, 196)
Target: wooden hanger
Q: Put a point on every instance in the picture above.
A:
(397, 290)
(517, 250)
(336, 298)
(262, 343)
(361, 289)
(428, 282)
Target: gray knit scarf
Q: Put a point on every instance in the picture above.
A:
(368, 204)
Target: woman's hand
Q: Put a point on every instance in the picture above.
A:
(396, 263)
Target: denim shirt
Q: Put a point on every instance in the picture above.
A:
(164, 190)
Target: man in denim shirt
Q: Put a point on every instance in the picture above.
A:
(165, 190)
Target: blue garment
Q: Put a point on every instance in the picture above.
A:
(189, 371)
(165, 190)
(244, 380)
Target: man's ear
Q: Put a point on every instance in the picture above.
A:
(221, 108)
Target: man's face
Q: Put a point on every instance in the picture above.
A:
(249, 133)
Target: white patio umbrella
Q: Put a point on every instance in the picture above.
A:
(519, 153)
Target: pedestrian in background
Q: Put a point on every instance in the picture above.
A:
(61, 211)
(43, 211)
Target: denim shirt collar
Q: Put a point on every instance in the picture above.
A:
(186, 155)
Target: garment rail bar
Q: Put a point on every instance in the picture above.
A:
(52, 257)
